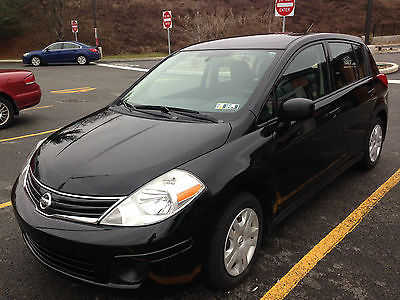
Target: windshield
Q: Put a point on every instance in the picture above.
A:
(210, 82)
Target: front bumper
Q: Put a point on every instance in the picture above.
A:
(117, 257)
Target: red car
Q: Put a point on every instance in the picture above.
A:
(18, 90)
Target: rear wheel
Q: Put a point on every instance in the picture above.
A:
(6, 113)
(235, 242)
(82, 60)
(36, 61)
(373, 149)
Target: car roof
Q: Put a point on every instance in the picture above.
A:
(269, 41)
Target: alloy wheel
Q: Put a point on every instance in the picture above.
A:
(375, 143)
(35, 61)
(4, 114)
(81, 60)
(241, 242)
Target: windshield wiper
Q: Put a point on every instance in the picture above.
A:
(164, 109)
(144, 108)
(193, 114)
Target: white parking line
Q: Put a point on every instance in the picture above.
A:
(122, 67)
(394, 81)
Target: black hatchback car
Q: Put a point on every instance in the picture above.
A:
(186, 170)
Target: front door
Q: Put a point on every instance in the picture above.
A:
(307, 150)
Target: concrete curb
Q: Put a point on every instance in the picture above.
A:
(392, 69)
(11, 61)
(110, 60)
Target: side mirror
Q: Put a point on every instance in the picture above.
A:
(296, 109)
(46, 50)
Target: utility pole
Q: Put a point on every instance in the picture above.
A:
(368, 21)
(94, 22)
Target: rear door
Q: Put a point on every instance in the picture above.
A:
(308, 150)
(354, 86)
(70, 51)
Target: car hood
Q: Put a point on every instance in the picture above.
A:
(109, 153)
(35, 52)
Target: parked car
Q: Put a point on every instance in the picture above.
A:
(62, 52)
(190, 166)
(18, 90)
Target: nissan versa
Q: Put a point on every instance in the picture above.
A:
(187, 169)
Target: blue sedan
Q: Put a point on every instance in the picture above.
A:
(62, 52)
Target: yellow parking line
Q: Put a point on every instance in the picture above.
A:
(76, 90)
(283, 287)
(28, 135)
(38, 107)
(2, 205)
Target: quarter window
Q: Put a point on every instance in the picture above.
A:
(305, 77)
(344, 64)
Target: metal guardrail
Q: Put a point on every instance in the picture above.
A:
(386, 29)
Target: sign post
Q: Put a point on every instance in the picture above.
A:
(75, 30)
(167, 24)
(284, 8)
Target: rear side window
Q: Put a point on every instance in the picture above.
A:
(361, 63)
(305, 77)
(344, 64)
(71, 46)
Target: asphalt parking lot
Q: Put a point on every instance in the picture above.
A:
(364, 265)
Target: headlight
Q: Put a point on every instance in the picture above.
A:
(156, 201)
(26, 54)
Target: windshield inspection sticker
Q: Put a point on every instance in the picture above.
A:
(227, 106)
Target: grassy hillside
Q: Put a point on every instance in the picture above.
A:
(134, 26)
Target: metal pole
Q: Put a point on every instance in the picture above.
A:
(368, 21)
(283, 24)
(76, 36)
(169, 43)
(94, 23)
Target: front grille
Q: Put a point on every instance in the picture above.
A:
(61, 262)
(78, 207)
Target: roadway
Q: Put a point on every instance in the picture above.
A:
(364, 265)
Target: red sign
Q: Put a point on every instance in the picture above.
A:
(284, 8)
(167, 19)
(74, 25)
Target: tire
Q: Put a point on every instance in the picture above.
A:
(36, 61)
(373, 147)
(229, 259)
(6, 113)
(82, 60)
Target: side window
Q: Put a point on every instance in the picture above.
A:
(361, 63)
(70, 46)
(344, 64)
(305, 77)
(57, 46)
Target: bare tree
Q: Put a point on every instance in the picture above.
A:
(54, 9)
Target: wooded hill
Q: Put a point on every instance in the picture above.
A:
(134, 26)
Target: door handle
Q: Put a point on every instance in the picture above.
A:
(371, 91)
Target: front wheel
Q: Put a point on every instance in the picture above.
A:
(373, 148)
(82, 60)
(36, 61)
(235, 242)
(6, 113)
